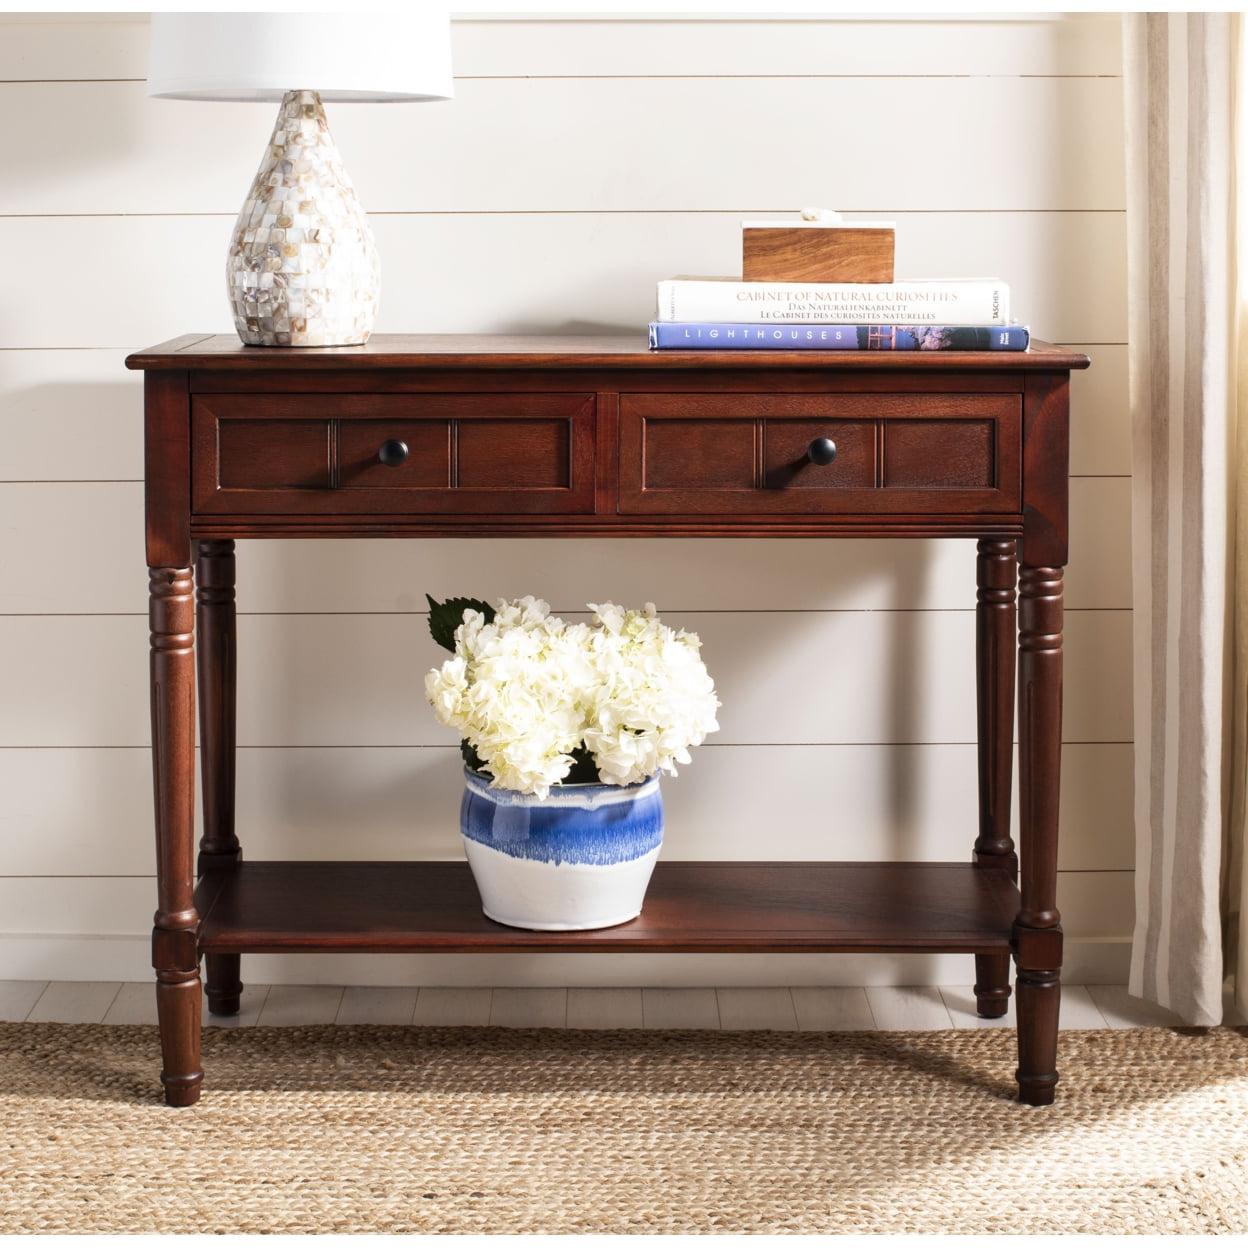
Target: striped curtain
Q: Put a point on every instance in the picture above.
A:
(1190, 588)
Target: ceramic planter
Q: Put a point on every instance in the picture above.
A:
(580, 858)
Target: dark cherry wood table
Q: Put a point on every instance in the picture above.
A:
(417, 436)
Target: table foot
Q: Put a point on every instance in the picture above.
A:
(1039, 996)
(222, 984)
(178, 996)
(992, 984)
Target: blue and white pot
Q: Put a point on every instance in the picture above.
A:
(580, 858)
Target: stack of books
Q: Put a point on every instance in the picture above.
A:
(725, 314)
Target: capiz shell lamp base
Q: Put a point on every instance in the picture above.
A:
(302, 266)
(303, 269)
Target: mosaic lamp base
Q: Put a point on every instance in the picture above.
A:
(303, 269)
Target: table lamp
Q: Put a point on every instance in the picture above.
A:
(302, 267)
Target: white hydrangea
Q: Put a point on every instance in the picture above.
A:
(528, 689)
(653, 698)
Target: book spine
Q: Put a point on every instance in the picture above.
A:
(899, 303)
(728, 336)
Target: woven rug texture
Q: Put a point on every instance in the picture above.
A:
(394, 1129)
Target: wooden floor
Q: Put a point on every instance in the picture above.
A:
(782, 1009)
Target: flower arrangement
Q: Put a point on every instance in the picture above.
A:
(540, 702)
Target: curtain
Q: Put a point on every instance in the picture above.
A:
(1189, 542)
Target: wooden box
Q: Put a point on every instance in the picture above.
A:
(813, 252)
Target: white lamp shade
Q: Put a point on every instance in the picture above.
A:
(347, 57)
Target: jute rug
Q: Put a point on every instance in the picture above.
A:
(406, 1129)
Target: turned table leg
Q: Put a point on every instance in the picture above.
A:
(995, 659)
(215, 654)
(1037, 931)
(175, 933)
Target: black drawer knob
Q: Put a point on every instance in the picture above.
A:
(822, 451)
(392, 452)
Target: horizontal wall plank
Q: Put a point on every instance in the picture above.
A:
(81, 46)
(1100, 414)
(503, 145)
(69, 415)
(358, 680)
(88, 811)
(77, 416)
(46, 522)
(1098, 905)
(48, 47)
(1082, 44)
(1067, 269)
(726, 574)
(546, 272)
(1086, 961)
(1099, 574)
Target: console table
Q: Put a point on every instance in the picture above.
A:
(417, 436)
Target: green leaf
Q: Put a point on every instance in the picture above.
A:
(584, 770)
(471, 757)
(446, 617)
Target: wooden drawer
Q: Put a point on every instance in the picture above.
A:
(749, 454)
(287, 454)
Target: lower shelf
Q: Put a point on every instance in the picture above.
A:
(729, 907)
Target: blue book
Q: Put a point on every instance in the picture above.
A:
(723, 336)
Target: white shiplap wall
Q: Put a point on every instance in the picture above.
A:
(581, 161)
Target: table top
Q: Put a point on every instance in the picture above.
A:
(622, 351)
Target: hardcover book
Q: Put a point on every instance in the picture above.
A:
(722, 335)
(892, 303)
